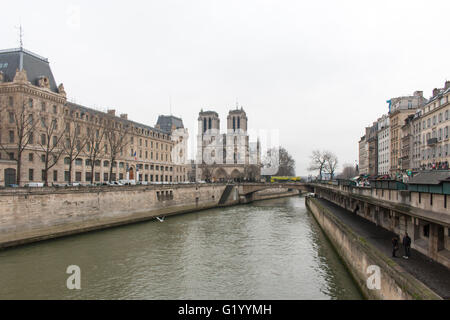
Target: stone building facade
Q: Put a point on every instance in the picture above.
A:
(229, 156)
(434, 124)
(363, 156)
(368, 155)
(38, 123)
(399, 110)
(384, 144)
(406, 153)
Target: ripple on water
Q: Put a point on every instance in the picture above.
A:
(268, 250)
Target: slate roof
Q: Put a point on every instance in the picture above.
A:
(165, 123)
(125, 121)
(430, 177)
(35, 66)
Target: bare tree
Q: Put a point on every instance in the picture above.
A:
(318, 162)
(208, 171)
(21, 117)
(251, 172)
(50, 145)
(117, 140)
(349, 171)
(331, 164)
(279, 162)
(94, 151)
(74, 142)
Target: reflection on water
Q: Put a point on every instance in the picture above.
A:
(267, 250)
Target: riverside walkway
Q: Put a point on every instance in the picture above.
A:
(432, 274)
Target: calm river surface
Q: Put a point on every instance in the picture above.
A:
(272, 249)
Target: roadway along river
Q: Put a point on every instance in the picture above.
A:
(267, 250)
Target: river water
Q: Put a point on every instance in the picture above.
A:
(271, 249)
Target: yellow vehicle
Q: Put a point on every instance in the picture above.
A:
(285, 179)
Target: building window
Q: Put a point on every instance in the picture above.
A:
(31, 157)
(79, 162)
(78, 176)
(55, 175)
(11, 136)
(30, 174)
(31, 138)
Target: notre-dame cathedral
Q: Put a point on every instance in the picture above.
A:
(229, 156)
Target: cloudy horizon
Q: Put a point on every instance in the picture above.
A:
(319, 72)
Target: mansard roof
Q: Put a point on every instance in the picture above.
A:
(166, 123)
(36, 66)
(118, 119)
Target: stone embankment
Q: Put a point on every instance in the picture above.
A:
(361, 257)
(29, 215)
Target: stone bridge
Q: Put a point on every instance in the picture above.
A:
(248, 189)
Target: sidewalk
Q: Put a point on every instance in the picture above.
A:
(432, 274)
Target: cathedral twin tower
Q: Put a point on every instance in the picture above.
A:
(229, 156)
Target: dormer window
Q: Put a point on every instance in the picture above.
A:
(43, 82)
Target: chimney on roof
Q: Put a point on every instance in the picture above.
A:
(435, 92)
(124, 116)
(112, 112)
(418, 94)
(447, 85)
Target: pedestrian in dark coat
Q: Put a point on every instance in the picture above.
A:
(395, 242)
(407, 246)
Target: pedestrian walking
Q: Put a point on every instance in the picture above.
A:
(407, 246)
(395, 242)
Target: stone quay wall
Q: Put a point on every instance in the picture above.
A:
(358, 255)
(30, 215)
(38, 214)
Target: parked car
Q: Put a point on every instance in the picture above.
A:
(34, 185)
(128, 182)
(13, 186)
(74, 184)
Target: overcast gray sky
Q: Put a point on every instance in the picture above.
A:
(319, 71)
